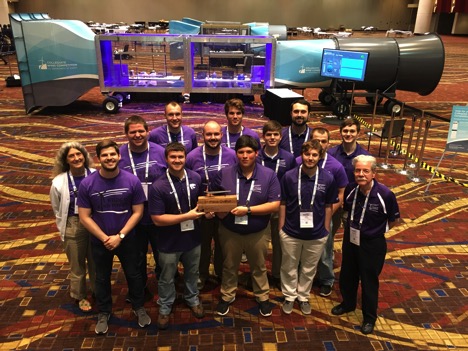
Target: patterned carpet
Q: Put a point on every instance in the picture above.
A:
(424, 289)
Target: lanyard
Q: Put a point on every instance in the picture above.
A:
(133, 164)
(324, 160)
(181, 135)
(175, 192)
(204, 161)
(228, 139)
(72, 180)
(276, 164)
(290, 139)
(299, 181)
(250, 191)
(363, 208)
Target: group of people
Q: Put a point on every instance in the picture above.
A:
(293, 189)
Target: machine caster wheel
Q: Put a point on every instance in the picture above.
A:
(393, 107)
(111, 105)
(341, 108)
(325, 98)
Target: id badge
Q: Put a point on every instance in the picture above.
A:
(306, 219)
(354, 236)
(186, 226)
(145, 189)
(244, 220)
(76, 206)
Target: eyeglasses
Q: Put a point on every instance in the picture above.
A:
(365, 171)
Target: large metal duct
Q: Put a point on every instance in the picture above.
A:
(411, 64)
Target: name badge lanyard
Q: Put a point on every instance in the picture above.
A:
(290, 139)
(204, 161)
(175, 192)
(363, 208)
(250, 191)
(133, 163)
(74, 189)
(276, 166)
(228, 138)
(324, 160)
(181, 135)
(314, 192)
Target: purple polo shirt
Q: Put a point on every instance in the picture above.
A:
(196, 163)
(297, 140)
(382, 207)
(347, 160)
(233, 137)
(327, 193)
(157, 166)
(266, 189)
(161, 200)
(159, 136)
(110, 200)
(335, 168)
(283, 160)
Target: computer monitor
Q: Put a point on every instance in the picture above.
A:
(344, 64)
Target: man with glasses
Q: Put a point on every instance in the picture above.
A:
(372, 210)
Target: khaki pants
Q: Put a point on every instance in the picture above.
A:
(255, 247)
(77, 245)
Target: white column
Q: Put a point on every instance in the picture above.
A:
(424, 16)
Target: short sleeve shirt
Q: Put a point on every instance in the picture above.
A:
(111, 200)
(186, 136)
(163, 201)
(282, 162)
(327, 193)
(382, 208)
(233, 137)
(347, 160)
(296, 140)
(266, 188)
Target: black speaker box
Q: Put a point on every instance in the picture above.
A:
(277, 104)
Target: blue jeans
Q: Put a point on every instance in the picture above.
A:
(325, 273)
(129, 254)
(166, 286)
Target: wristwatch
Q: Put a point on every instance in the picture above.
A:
(121, 236)
(249, 211)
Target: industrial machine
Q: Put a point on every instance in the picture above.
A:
(59, 60)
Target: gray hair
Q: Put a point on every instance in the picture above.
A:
(61, 164)
(366, 158)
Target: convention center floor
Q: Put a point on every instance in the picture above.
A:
(423, 287)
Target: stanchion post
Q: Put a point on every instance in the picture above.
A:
(390, 131)
(421, 152)
(410, 141)
(376, 99)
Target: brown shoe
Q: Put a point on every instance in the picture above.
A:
(163, 321)
(198, 311)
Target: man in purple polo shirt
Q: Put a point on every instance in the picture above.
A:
(110, 205)
(174, 131)
(234, 110)
(173, 207)
(298, 132)
(372, 210)
(207, 160)
(280, 161)
(307, 196)
(349, 148)
(145, 160)
(245, 227)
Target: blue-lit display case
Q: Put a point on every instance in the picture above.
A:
(185, 63)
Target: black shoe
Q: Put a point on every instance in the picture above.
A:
(367, 328)
(265, 308)
(223, 307)
(338, 310)
(325, 290)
